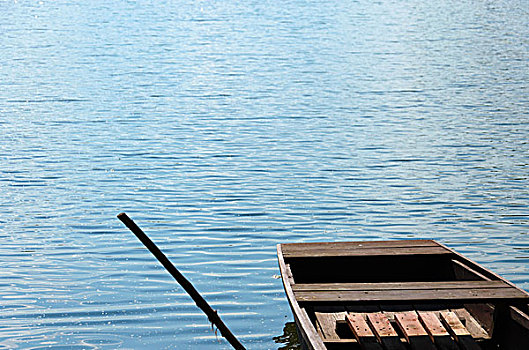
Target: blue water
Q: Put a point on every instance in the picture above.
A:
(226, 127)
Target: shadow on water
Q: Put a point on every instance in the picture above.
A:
(289, 339)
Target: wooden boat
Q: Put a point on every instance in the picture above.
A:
(412, 294)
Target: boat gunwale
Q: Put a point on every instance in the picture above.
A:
(305, 326)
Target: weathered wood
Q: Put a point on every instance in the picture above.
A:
(458, 331)
(362, 332)
(344, 252)
(327, 325)
(404, 286)
(454, 325)
(506, 294)
(484, 314)
(395, 277)
(289, 247)
(384, 331)
(409, 323)
(519, 317)
(437, 332)
(432, 324)
(463, 272)
(359, 325)
(308, 333)
(414, 332)
(347, 343)
(381, 325)
(473, 326)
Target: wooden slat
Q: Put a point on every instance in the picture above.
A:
(404, 286)
(458, 331)
(384, 331)
(362, 332)
(344, 252)
(408, 322)
(471, 324)
(289, 247)
(414, 332)
(437, 332)
(506, 294)
(463, 272)
(350, 343)
(432, 324)
(454, 325)
(307, 331)
(327, 325)
(381, 325)
(359, 326)
(519, 317)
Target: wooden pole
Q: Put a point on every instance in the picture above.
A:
(188, 287)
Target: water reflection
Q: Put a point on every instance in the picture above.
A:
(289, 339)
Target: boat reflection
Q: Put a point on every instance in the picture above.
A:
(289, 339)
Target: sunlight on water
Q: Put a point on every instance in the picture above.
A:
(224, 128)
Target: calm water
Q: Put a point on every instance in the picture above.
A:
(226, 127)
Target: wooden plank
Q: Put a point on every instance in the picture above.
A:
(381, 325)
(471, 324)
(331, 324)
(289, 247)
(307, 331)
(432, 324)
(399, 286)
(344, 252)
(347, 343)
(362, 332)
(463, 272)
(484, 313)
(458, 331)
(408, 322)
(384, 331)
(454, 325)
(437, 332)
(519, 317)
(327, 325)
(414, 332)
(506, 294)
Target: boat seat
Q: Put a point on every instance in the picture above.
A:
(409, 292)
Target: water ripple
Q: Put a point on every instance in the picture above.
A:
(225, 128)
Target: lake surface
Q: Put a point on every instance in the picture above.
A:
(225, 127)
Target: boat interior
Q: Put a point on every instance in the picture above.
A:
(423, 297)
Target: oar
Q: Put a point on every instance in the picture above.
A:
(188, 287)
